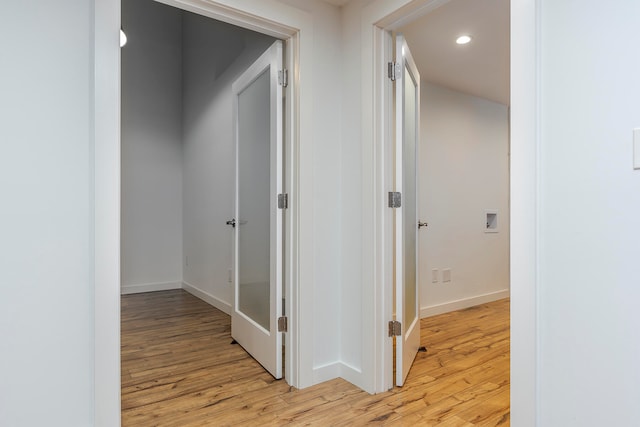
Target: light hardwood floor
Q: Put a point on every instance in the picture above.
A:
(179, 369)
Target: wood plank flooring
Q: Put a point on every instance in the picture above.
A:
(179, 369)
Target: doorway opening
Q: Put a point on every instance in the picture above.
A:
(463, 224)
(185, 154)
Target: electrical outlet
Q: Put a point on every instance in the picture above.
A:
(446, 275)
(229, 275)
(434, 275)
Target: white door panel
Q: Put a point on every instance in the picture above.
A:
(258, 240)
(407, 124)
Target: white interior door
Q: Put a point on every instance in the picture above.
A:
(407, 125)
(258, 222)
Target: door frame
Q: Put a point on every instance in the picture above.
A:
(269, 17)
(378, 18)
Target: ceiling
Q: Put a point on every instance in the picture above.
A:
(480, 68)
(337, 2)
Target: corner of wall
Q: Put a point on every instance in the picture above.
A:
(149, 287)
(221, 305)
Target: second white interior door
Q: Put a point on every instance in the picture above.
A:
(407, 124)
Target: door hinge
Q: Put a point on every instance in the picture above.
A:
(395, 199)
(395, 328)
(283, 78)
(283, 201)
(282, 324)
(393, 70)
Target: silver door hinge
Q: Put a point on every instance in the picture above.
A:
(395, 328)
(283, 78)
(282, 324)
(393, 70)
(283, 201)
(395, 199)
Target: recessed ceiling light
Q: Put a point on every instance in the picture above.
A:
(123, 38)
(463, 39)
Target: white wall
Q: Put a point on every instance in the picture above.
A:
(350, 189)
(523, 179)
(589, 227)
(464, 171)
(214, 57)
(47, 218)
(151, 147)
(327, 72)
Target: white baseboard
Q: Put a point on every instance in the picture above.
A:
(462, 303)
(336, 370)
(223, 306)
(351, 374)
(326, 372)
(149, 287)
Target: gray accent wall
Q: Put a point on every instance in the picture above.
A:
(151, 146)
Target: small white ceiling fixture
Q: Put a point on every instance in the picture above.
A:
(123, 38)
(463, 39)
